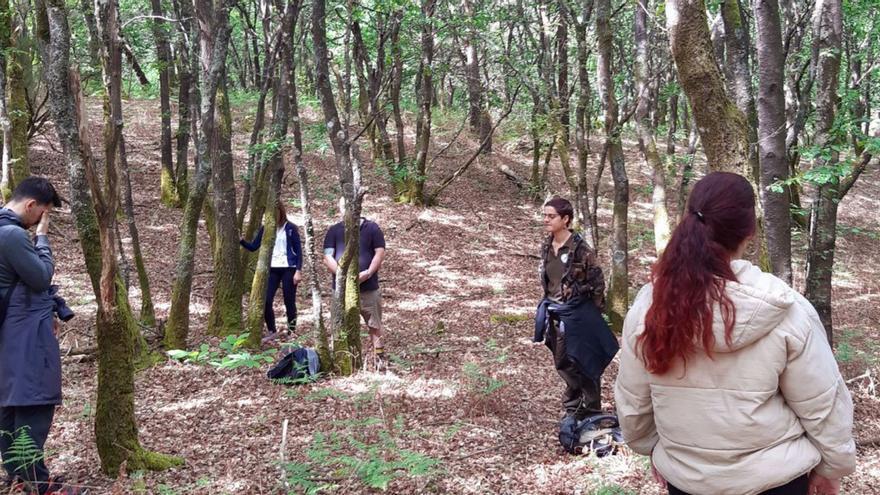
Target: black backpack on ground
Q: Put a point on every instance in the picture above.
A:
(598, 434)
(298, 366)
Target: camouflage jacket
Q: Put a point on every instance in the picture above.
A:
(582, 276)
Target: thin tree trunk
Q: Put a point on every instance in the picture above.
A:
(312, 260)
(346, 298)
(582, 117)
(771, 138)
(416, 180)
(647, 142)
(6, 182)
(163, 56)
(618, 293)
(827, 46)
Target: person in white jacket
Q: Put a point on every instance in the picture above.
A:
(726, 377)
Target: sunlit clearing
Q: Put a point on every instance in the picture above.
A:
(389, 384)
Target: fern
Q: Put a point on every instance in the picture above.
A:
(24, 452)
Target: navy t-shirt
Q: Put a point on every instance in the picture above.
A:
(371, 238)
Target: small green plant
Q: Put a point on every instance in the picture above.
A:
(23, 451)
(509, 319)
(478, 381)
(613, 490)
(373, 457)
(230, 356)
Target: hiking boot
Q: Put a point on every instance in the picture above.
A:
(291, 327)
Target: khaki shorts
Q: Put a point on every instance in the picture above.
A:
(371, 308)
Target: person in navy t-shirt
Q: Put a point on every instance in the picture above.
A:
(370, 257)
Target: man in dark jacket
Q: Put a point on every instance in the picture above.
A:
(30, 361)
(574, 293)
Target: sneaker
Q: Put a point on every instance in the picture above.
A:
(269, 338)
(381, 361)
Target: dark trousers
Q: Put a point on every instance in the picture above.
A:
(283, 277)
(26, 462)
(797, 486)
(583, 395)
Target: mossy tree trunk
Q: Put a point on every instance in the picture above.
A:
(346, 302)
(273, 158)
(115, 425)
(213, 17)
(6, 182)
(618, 291)
(54, 42)
(225, 316)
(188, 96)
(163, 60)
(17, 103)
(722, 126)
(417, 175)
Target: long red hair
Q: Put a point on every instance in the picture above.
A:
(690, 276)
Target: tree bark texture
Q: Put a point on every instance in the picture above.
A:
(225, 315)
(346, 298)
(771, 138)
(645, 130)
(618, 292)
(163, 56)
(417, 177)
(722, 126)
(827, 47)
(213, 19)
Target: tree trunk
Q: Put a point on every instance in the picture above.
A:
(6, 182)
(737, 44)
(771, 138)
(188, 95)
(582, 118)
(722, 126)
(163, 59)
(647, 142)
(213, 39)
(415, 191)
(54, 38)
(396, 81)
(827, 46)
(225, 316)
(312, 260)
(478, 117)
(346, 298)
(618, 292)
(115, 425)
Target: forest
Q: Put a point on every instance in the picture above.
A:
(172, 128)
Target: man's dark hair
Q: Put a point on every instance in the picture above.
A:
(563, 208)
(39, 189)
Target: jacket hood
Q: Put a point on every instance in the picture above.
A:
(761, 300)
(7, 215)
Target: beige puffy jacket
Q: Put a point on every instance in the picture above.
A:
(760, 413)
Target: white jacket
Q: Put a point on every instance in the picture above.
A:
(761, 412)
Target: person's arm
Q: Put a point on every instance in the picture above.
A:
(632, 390)
(33, 263)
(813, 388)
(253, 246)
(594, 278)
(330, 251)
(296, 243)
(378, 257)
(635, 410)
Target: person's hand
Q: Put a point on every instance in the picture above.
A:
(820, 485)
(43, 226)
(657, 476)
(364, 275)
(297, 276)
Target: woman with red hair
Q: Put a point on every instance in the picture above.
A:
(726, 377)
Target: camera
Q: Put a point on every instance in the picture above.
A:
(61, 309)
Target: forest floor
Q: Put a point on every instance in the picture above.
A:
(469, 405)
